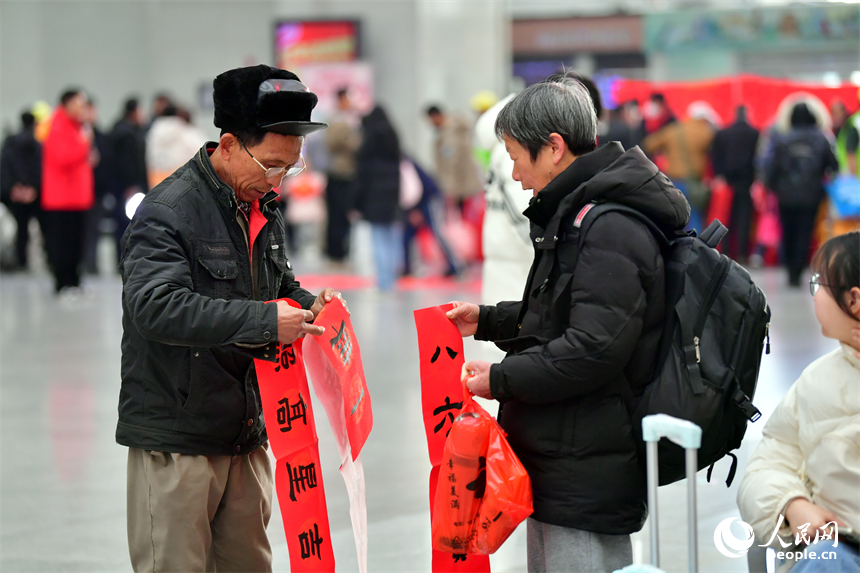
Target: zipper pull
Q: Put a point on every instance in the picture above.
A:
(539, 290)
(767, 336)
(698, 353)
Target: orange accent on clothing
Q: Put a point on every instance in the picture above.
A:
(257, 222)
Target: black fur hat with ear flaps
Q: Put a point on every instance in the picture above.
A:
(241, 104)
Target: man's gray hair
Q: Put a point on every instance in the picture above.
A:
(559, 104)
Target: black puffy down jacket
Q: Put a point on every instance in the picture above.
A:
(576, 337)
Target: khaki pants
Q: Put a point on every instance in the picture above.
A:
(199, 513)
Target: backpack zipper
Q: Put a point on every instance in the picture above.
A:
(708, 301)
(767, 336)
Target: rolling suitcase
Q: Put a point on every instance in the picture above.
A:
(689, 436)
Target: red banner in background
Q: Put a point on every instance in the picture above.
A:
(286, 400)
(760, 95)
(440, 350)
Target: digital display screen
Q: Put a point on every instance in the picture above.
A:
(301, 43)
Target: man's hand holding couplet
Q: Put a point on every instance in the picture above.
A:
(326, 297)
(294, 323)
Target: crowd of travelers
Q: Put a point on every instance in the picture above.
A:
(777, 174)
(77, 180)
(457, 213)
(203, 252)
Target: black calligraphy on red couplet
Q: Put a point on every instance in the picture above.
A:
(309, 542)
(286, 356)
(302, 478)
(451, 353)
(341, 343)
(479, 486)
(450, 408)
(288, 413)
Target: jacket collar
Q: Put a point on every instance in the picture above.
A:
(224, 194)
(554, 201)
(608, 174)
(848, 352)
(544, 206)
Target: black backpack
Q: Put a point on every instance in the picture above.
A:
(710, 349)
(796, 169)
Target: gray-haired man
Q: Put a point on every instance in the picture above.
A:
(575, 338)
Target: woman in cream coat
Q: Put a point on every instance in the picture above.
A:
(806, 470)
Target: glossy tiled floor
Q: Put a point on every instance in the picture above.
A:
(63, 476)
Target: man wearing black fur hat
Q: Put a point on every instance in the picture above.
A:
(202, 254)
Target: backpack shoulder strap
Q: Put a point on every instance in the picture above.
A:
(583, 221)
(711, 237)
(588, 214)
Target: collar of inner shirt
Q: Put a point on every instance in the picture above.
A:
(244, 206)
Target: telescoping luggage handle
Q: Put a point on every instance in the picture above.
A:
(689, 436)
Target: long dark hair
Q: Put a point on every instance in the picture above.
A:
(838, 263)
(380, 139)
(801, 116)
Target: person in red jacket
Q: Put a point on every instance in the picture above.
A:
(67, 187)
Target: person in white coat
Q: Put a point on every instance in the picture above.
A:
(508, 252)
(171, 141)
(804, 476)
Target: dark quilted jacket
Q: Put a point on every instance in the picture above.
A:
(577, 336)
(194, 316)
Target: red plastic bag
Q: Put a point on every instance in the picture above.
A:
(484, 492)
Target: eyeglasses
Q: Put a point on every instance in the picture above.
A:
(280, 172)
(814, 283)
